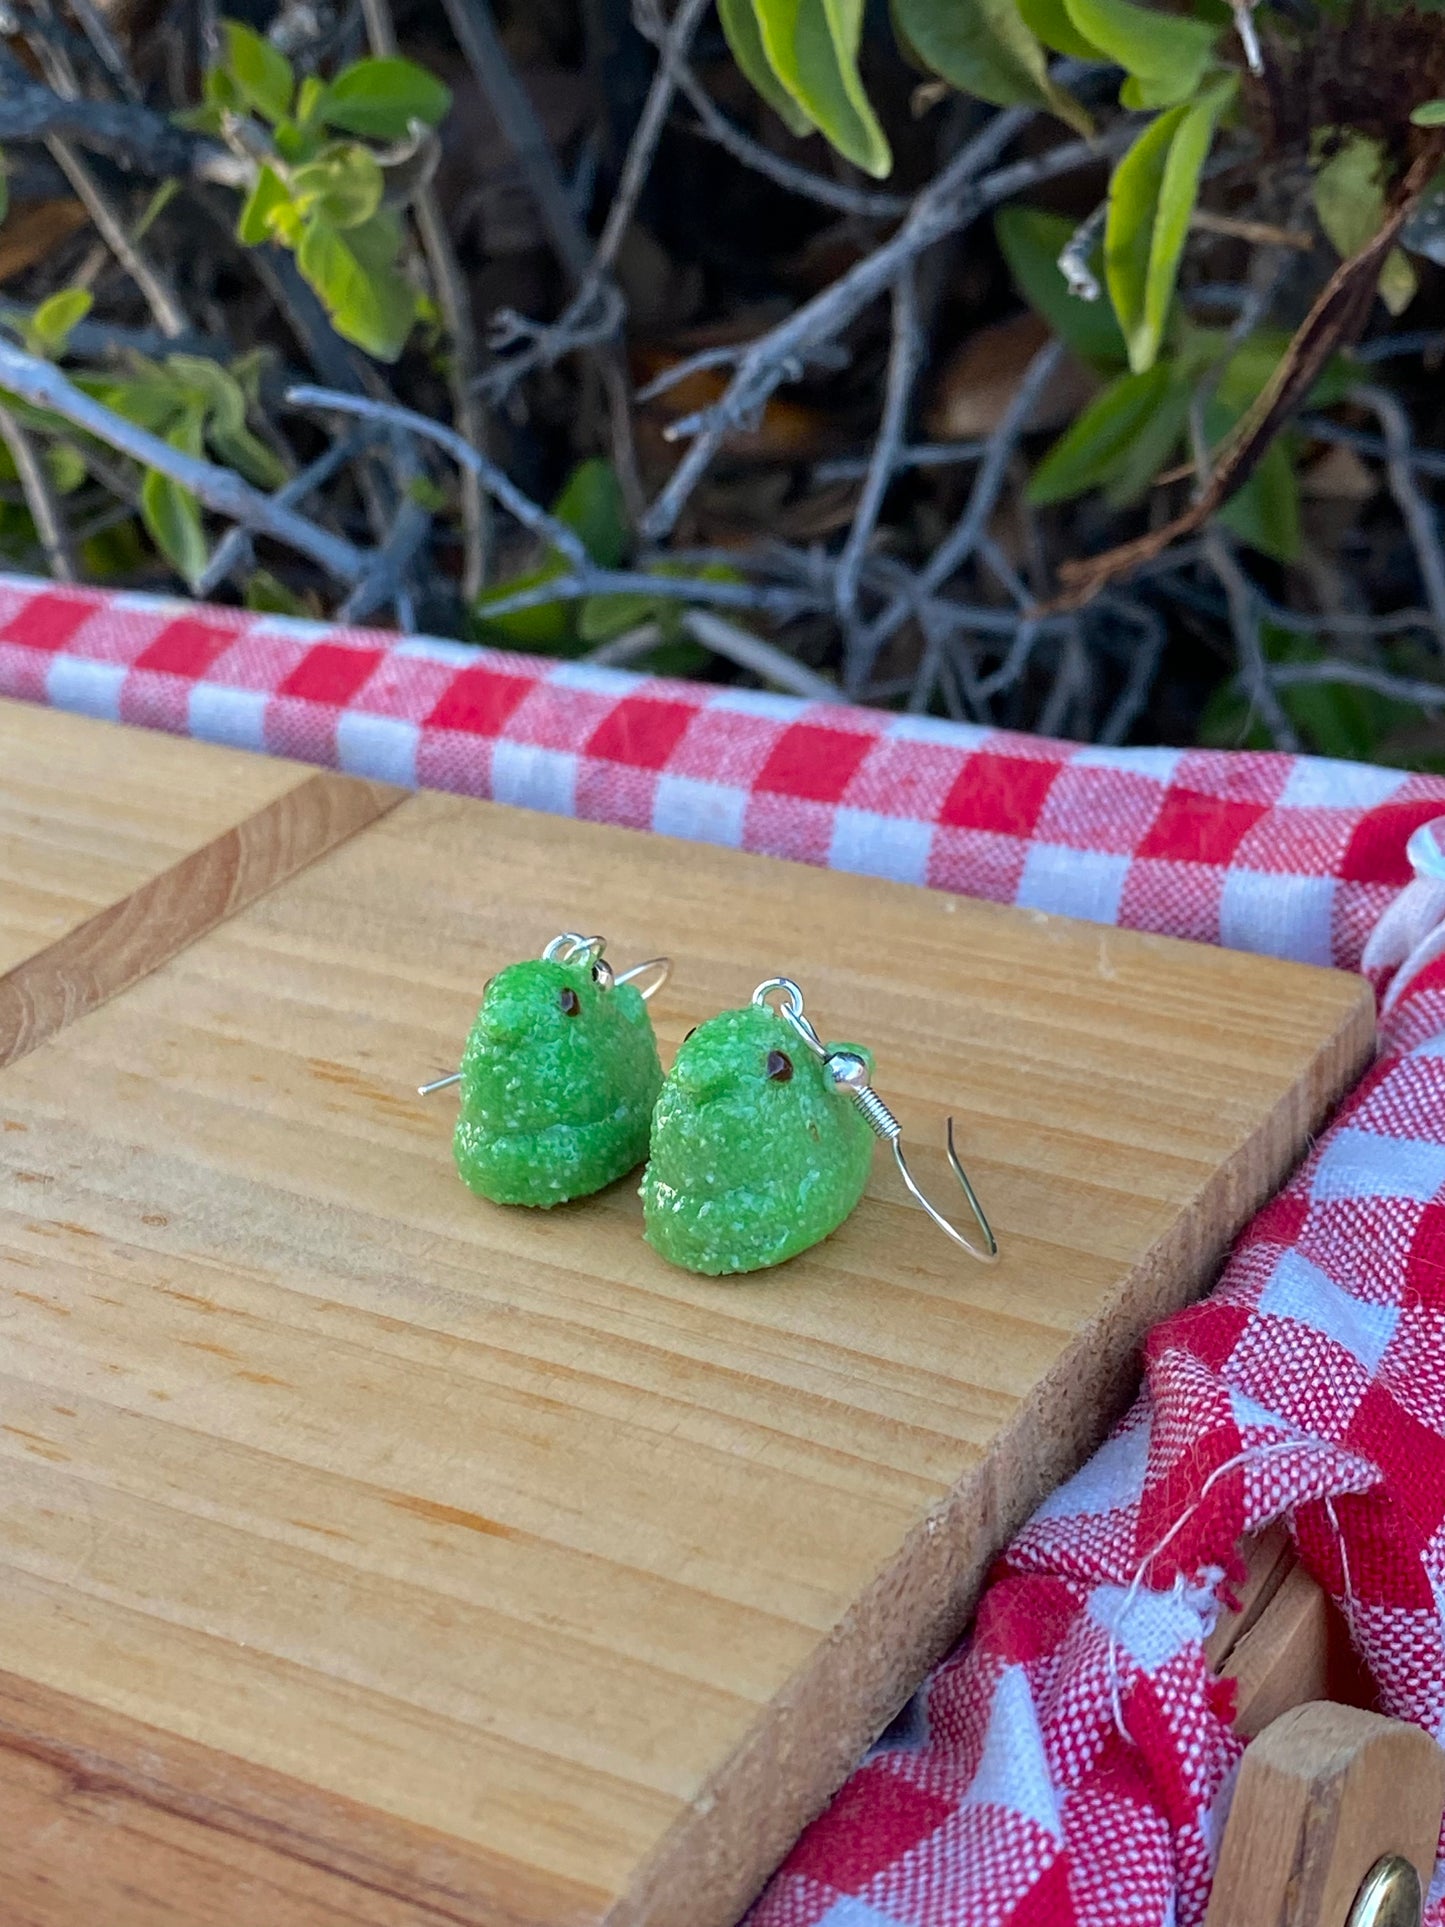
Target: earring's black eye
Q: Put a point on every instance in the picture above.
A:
(600, 973)
(568, 1002)
(780, 1066)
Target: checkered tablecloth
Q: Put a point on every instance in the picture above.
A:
(1072, 1762)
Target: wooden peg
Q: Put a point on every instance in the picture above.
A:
(1323, 1793)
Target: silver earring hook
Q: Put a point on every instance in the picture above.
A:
(848, 1073)
(572, 948)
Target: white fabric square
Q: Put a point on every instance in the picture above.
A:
(1319, 782)
(1013, 1769)
(1114, 1477)
(1151, 1627)
(1161, 764)
(381, 747)
(703, 812)
(1301, 1291)
(234, 716)
(1073, 883)
(599, 677)
(90, 688)
(534, 778)
(1278, 916)
(759, 702)
(458, 655)
(853, 1912)
(938, 729)
(880, 846)
(1361, 1164)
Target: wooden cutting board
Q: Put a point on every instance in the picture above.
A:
(117, 846)
(373, 1554)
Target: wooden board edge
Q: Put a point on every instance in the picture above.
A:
(108, 1765)
(718, 1855)
(129, 939)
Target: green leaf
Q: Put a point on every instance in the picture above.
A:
(259, 215)
(172, 514)
(548, 627)
(984, 47)
(309, 97)
(1032, 240)
(381, 98)
(1265, 513)
(342, 186)
(1349, 192)
(1086, 454)
(740, 28)
(148, 398)
(1398, 284)
(812, 47)
(52, 323)
(1430, 113)
(1049, 19)
(1164, 54)
(65, 466)
(1349, 196)
(591, 505)
(1332, 718)
(1151, 198)
(269, 596)
(604, 617)
(368, 298)
(261, 72)
(1157, 442)
(222, 402)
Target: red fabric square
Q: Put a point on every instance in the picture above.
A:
(876, 1819)
(47, 622)
(640, 732)
(330, 673)
(813, 762)
(1426, 1267)
(1191, 828)
(1003, 794)
(1376, 852)
(186, 648)
(478, 701)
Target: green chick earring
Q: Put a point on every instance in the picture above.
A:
(761, 1148)
(559, 1076)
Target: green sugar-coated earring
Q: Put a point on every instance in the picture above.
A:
(559, 1076)
(763, 1138)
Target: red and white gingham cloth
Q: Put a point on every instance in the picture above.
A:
(1072, 1762)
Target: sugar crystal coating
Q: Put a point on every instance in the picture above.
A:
(750, 1164)
(559, 1077)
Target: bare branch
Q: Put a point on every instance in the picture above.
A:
(714, 125)
(221, 489)
(160, 297)
(1419, 516)
(762, 658)
(903, 364)
(39, 499)
(455, 302)
(1244, 618)
(131, 135)
(948, 203)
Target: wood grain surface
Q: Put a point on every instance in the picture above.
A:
(564, 1585)
(118, 846)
